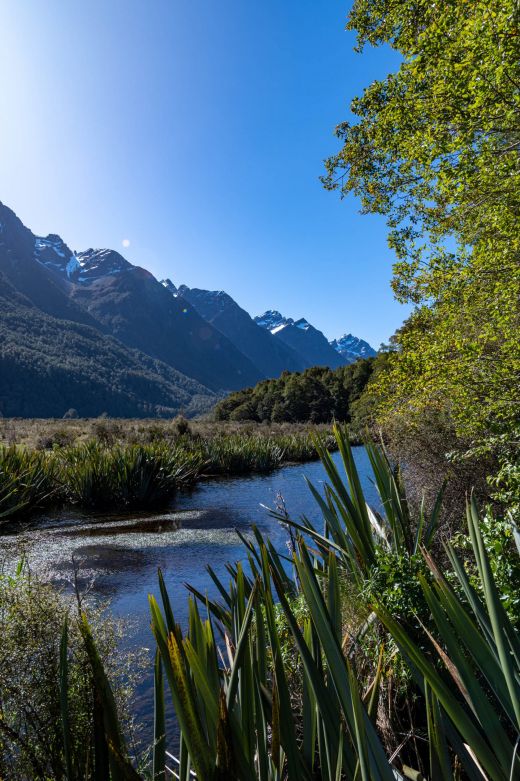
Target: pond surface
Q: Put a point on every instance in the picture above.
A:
(117, 557)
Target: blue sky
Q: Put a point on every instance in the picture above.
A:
(196, 131)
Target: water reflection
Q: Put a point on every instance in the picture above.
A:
(118, 557)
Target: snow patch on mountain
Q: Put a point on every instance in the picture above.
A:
(170, 287)
(73, 267)
(349, 345)
(52, 252)
(272, 320)
(278, 328)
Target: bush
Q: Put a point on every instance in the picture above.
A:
(181, 426)
(60, 438)
(32, 615)
(498, 538)
(394, 579)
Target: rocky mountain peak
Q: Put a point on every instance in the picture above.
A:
(272, 320)
(170, 287)
(96, 263)
(351, 346)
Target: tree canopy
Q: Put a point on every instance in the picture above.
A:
(435, 148)
(317, 395)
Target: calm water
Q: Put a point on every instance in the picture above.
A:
(117, 558)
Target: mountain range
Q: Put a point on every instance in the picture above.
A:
(89, 330)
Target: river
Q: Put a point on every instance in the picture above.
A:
(117, 557)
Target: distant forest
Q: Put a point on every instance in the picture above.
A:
(317, 395)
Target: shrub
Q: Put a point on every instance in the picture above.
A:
(181, 426)
(60, 438)
(32, 616)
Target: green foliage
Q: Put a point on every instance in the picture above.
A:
(133, 477)
(246, 453)
(317, 395)
(498, 539)
(32, 666)
(394, 578)
(27, 482)
(434, 145)
(104, 474)
(434, 148)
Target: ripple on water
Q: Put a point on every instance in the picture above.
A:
(118, 557)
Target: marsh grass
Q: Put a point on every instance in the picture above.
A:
(133, 477)
(27, 482)
(237, 454)
(46, 433)
(118, 471)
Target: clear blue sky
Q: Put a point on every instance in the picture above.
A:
(196, 131)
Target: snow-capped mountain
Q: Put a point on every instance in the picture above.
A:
(272, 319)
(311, 344)
(101, 289)
(82, 267)
(96, 263)
(350, 346)
(91, 323)
(55, 354)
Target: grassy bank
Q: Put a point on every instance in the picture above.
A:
(103, 464)
(45, 433)
(382, 655)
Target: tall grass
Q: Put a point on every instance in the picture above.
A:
(234, 700)
(247, 453)
(132, 477)
(238, 455)
(27, 482)
(104, 475)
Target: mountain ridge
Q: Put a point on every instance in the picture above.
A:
(156, 346)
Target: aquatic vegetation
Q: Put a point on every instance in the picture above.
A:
(237, 455)
(27, 482)
(107, 474)
(239, 713)
(133, 477)
(249, 453)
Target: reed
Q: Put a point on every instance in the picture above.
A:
(238, 454)
(102, 474)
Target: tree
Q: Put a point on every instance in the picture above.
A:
(435, 148)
